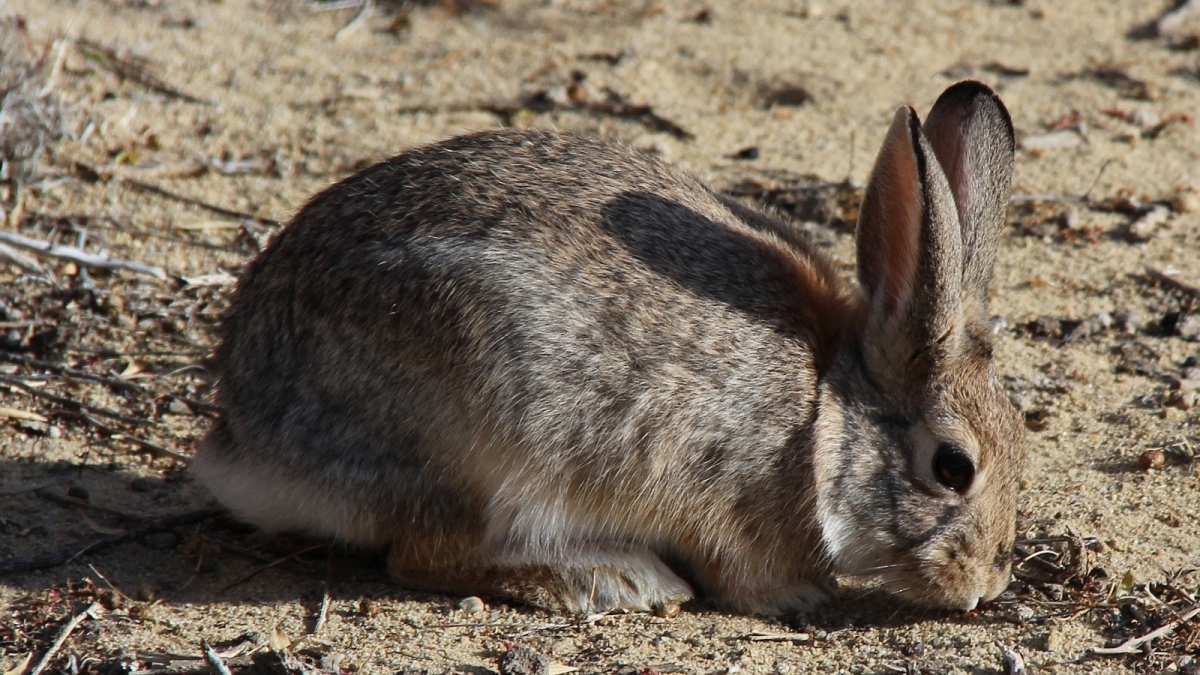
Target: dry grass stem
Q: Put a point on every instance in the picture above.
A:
(214, 659)
(80, 256)
(92, 611)
(1134, 645)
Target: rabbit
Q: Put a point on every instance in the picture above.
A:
(553, 370)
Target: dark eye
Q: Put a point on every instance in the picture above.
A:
(953, 467)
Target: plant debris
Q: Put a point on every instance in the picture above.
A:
(805, 199)
(545, 101)
(32, 116)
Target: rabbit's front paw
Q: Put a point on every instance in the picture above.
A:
(631, 579)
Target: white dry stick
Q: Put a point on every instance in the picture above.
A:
(92, 611)
(214, 659)
(779, 637)
(324, 613)
(25, 262)
(316, 6)
(1014, 664)
(1134, 645)
(358, 22)
(60, 61)
(80, 256)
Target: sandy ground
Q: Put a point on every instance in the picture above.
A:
(289, 100)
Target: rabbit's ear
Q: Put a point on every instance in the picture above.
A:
(972, 135)
(909, 247)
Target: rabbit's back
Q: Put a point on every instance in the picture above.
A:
(516, 322)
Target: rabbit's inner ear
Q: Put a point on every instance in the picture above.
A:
(972, 137)
(889, 221)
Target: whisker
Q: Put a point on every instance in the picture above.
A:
(878, 568)
(882, 569)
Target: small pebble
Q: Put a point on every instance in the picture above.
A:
(577, 92)
(1185, 202)
(33, 427)
(1186, 384)
(1151, 459)
(1037, 420)
(1145, 117)
(747, 153)
(668, 611)
(471, 605)
(54, 432)
(1188, 326)
(1129, 322)
(1089, 326)
(1070, 219)
(558, 95)
(1178, 398)
(1143, 228)
(1020, 614)
(523, 661)
(178, 407)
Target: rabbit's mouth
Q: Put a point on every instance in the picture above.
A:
(942, 578)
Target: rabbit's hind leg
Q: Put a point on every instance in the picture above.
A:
(593, 578)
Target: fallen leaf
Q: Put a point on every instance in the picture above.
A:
(279, 640)
(1123, 588)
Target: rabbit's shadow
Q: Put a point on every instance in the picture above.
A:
(711, 260)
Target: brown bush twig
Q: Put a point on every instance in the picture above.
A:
(77, 549)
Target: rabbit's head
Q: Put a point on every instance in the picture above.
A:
(920, 451)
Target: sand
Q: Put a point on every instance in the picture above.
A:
(301, 98)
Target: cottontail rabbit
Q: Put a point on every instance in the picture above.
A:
(539, 366)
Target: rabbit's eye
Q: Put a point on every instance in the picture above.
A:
(953, 467)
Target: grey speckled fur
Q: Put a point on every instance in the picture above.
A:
(541, 365)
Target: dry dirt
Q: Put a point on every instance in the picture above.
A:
(250, 106)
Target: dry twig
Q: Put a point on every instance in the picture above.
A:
(1163, 277)
(75, 550)
(27, 263)
(1134, 645)
(78, 255)
(61, 639)
(212, 208)
(130, 68)
(68, 500)
(73, 404)
(368, 7)
(614, 106)
(114, 382)
(323, 614)
(145, 445)
(214, 659)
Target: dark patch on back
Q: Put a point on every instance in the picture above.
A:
(704, 257)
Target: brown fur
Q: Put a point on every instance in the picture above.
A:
(541, 365)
